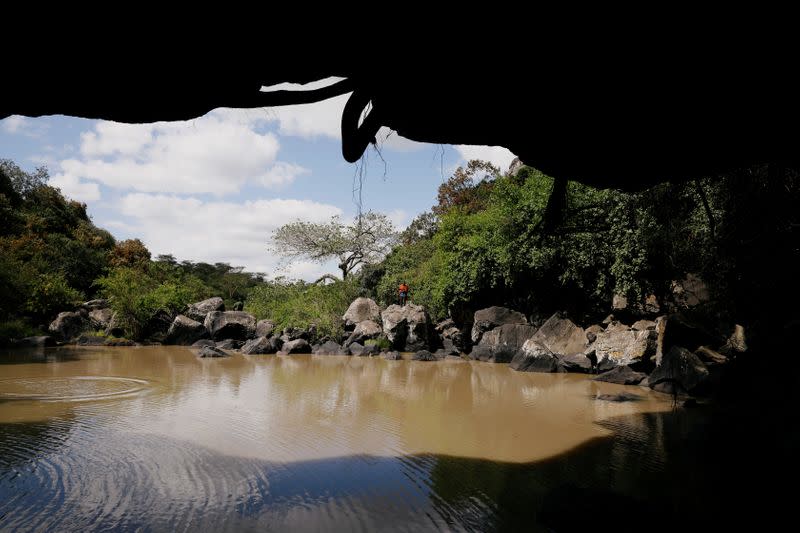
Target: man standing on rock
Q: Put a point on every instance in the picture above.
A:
(402, 292)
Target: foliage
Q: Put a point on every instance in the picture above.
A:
(232, 283)
(463, 191)
(131, 253)
(367, 240)
(16, 329)
(291, 303)
(50, 293)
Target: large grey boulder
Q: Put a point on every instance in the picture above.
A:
(259, 345)
(198, 311)
(230, 325)
(424, 355)
(67, 325)
(101, 318)
(329, 348)
(619, 345)
(367, 329)
(209, 351)
(363, 351)
(453, 339)
(502, 343)
(264, 328)
(185, 331)
(621, 375)
(535, 357)
(576, 362)
(492, 317)
(561, 336)
(680, 371)
(406, 327)
(360, 310)
(203, 342)
(392, 356)
(296, 346)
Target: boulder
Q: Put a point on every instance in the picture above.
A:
(592, 331)
(67, 325)
(198, 311)
(264, 328)
(515, 166)
(101, 318)
(210, 351)
(492, 317)
(643, 325)
(230, 325)
(651, 305)
(451, 335)
(367, 329)
(229, 344)
(709, 356)
(39, 341)
(296, 346)
(92, 305)
(119, 342)
(737, 342)
(502, 343)
(203, 342)
(690, 292)
(406, 327)
(621, 397)
(185, 331)
(329, 348)
(424, 355)
(680, 371)
(445, 324)
(259, 345)
(561, 336)
(360, 310)
(622, 375)
(450, 347)
(619, 303)
(364, 351)
(392, 356)
(577, 362)
(91, 340)
(619, 345)
(114, 328)
(534, 357)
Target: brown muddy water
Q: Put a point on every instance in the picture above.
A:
(155, 439)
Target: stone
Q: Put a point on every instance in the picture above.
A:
(366, 351)
(445, 324)
(203, 342)
(450, 347)
(209, 351)
(329, 348)
(618, 346)
(492, 317)
(690, 292)
(185, 331)
(259, 345)
(643, 325)
(576, 363)
(619, 303)
(67, 325)
(424, 355)
(406, 327)
(264, 328)
(680, 371)
(534, 357)
(709, 356)
(608, 320)
(100, 318)
(561, 336)
(367, 329)
(91, 340)
(515, 166)
(229, 344)
(296, 346)
(230, 325)
(621, 397)
(502, 343)
(737, 342)
(360, 310)
(622, 375)
(92, 305)
(651, 305)
(198, 311)
(392, 356)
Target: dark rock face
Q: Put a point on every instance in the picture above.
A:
(230, 325)
(100, 318)
(680, 371)
(561, 336)
(259, 345)
(67, 325)
(229, 344)
(450, 347)
(392, 356)
(406, 327)
(368, 329)
(622, 375)
(690, 292)
(492, 317)
(360, 310)
(91, 340)
(502, 343)
(198, 311)
(296, 347)
(92, 305)
(264, 328)
(39, 341)
(679, 330)
(535, 357)
(575, 363)
(208, 351)
(709, 356)
(329, 348)
(185, 331)
(203, 342)
(619, 345)
(364, 351)
(621, 397)
(424, 355)
(737, 342)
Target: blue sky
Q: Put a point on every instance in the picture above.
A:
(214, 188)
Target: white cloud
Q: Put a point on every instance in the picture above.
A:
(497, 155)
(282, 174)
(213, 231)
(318, 84)
(13, 123)
(206, 155)
(75, 188)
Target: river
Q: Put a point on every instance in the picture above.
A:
(154, 438)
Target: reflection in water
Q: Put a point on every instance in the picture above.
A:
(314, 442)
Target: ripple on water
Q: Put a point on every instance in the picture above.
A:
(69, 389)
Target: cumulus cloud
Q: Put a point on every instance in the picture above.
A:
(497, 155)
(76, 189)
(282, 174)
(13, 123)
(213, 231)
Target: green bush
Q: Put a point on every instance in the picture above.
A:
(16, 329)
